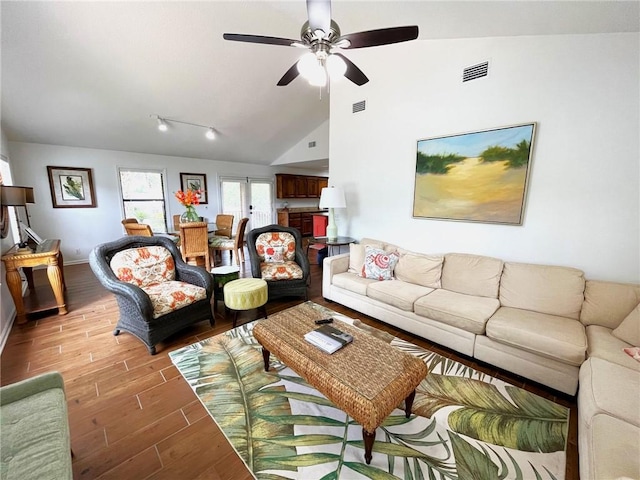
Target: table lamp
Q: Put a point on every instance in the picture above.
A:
(332, 197)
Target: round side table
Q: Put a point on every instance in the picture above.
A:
(222, 276)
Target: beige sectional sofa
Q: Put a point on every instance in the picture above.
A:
(546, 323)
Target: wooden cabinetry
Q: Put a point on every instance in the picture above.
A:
(299, 186)
(303, 221)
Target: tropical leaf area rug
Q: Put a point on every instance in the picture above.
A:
(464, 424)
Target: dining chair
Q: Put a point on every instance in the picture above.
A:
(129, 220)
(194, 244)
(141, 229)
(234, 245)
(224, 224)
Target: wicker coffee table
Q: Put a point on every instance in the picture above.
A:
(367, 379)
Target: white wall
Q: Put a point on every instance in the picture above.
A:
(80, 229)
(7, 308)
(301, 152)
(583, 206)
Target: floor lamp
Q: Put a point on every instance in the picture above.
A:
(332, 197)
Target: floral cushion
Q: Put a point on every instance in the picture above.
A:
(272, 240)
(144, 266)
(280, 271)
(274, 254)
(167, 297)
(379, 264)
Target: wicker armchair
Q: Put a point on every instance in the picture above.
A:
(279, 285)
(152, 321)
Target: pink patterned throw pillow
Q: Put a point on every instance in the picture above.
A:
(274, 254)
(633, 352)
(379, 264)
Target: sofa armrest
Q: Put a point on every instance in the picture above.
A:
(330, 267)
(30, 386)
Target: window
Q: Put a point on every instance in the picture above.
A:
(144, 197)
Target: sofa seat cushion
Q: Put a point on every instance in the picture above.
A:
(610, 389)
(602, 344)
(467, 312)
(397, 293)
(614, 449)
(352, 282)
(560, 338)
(35, 437)
(169, 296)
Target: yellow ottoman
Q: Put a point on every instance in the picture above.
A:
(245, 294)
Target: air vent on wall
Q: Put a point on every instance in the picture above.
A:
(475, 71)
(359, 106)
(312, 144)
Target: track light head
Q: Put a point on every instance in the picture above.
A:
(162, 125)
(211, 135)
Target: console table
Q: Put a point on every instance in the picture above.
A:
(48, 254)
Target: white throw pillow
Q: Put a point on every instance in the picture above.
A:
(629, 329)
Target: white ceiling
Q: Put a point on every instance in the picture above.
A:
(90, 74)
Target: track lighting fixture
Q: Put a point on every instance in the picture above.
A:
(163, 126)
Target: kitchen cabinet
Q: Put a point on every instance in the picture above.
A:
(299, 186)
(303, 221)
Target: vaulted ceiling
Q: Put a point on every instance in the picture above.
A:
(91, 74)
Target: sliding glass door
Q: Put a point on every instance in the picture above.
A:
(248, 197)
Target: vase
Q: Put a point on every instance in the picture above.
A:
(190, 215)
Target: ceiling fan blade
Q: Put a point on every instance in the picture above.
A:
(239, 37)
(289, 75)
(353, 73)
(382, 36)
(319, 12)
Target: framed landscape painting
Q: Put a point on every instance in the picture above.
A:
(195, 181)
(474, 177)
(71, 187)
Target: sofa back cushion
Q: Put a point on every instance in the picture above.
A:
(276, 247)
(472, 274)
(144, 266)
(608, 303)
(419, 269)
(543, 288)
(357, 253)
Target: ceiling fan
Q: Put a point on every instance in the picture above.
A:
(321, 36)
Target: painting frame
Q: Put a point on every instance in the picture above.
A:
(71, 187)
(187, 181)
(479, 176)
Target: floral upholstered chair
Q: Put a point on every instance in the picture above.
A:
(277, 257)
(157, 292)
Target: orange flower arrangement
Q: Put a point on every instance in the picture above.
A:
(189, 198)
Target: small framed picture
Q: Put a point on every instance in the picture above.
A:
(71, 187)
(195, 181)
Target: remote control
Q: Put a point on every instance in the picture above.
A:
(323, 321)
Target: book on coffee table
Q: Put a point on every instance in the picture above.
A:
(328, 338)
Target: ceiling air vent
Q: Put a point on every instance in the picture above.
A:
(475, 71)
(359, 106)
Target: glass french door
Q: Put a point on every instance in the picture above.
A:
(247, 197)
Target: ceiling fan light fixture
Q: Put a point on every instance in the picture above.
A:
(336, 67)
(319, 78)
(307, 65)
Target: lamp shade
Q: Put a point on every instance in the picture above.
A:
(13, 196)
(332, 197)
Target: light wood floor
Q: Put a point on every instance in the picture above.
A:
(131, 415)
